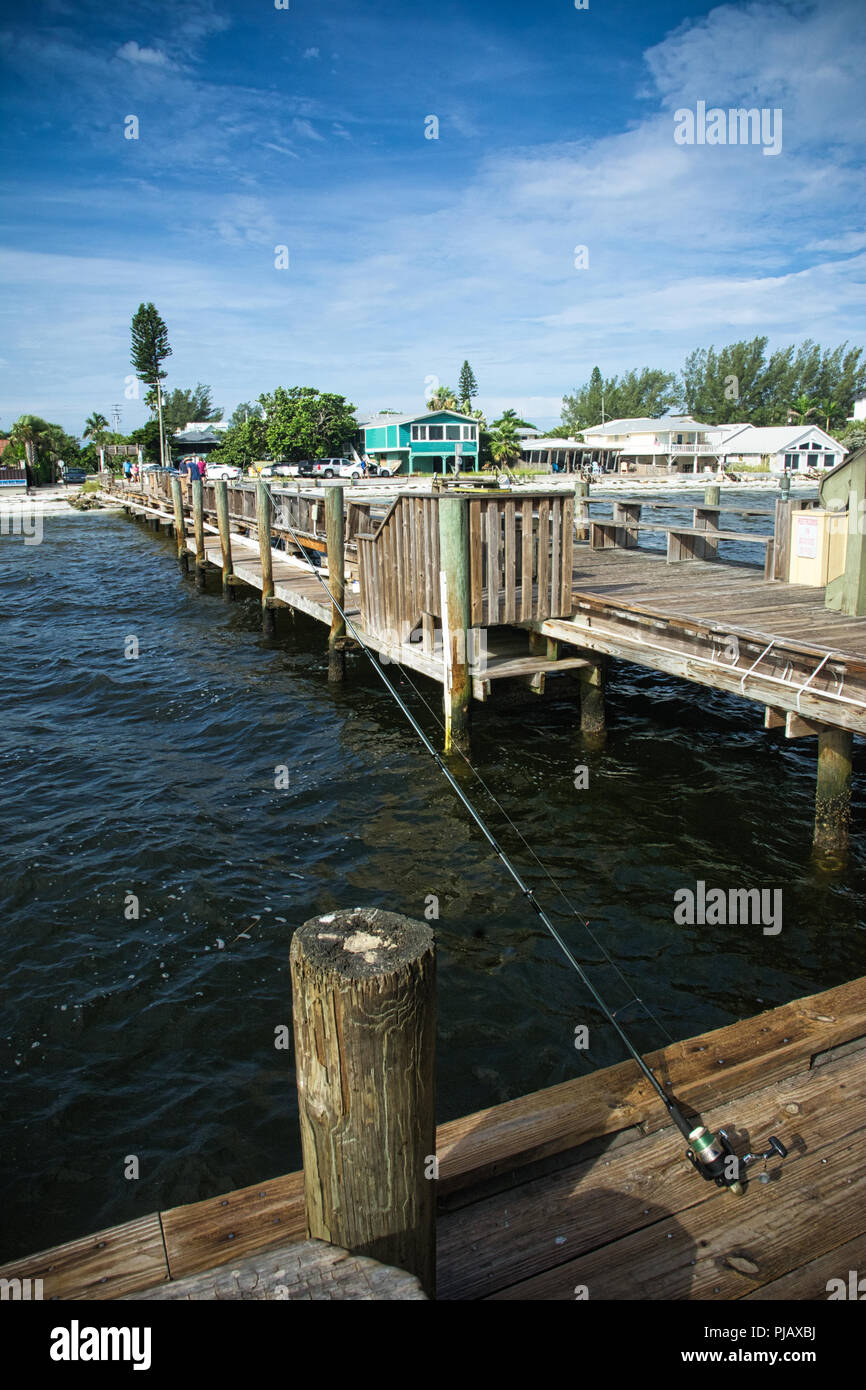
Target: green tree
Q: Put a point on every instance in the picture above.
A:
(244, 410)
(443, 399)
(180, 407)
(302, 422)
(150, 348)
(505, 443)
(150, 439)
(244, 441)
(467, 386)
(96, 428)
(802, 407)
(512, 417)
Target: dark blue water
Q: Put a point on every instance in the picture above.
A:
(153, 1036)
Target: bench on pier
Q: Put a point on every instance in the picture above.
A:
(700, 541)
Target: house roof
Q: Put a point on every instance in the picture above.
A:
(379, 420)
(775, 439)
(647, 424)
(196, 437)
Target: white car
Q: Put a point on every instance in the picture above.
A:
(221, 470)
(336, 468)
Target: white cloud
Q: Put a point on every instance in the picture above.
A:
(311, 53)
(152, 57)
(304, 127)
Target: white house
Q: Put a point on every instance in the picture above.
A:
(859, 408)
(647, 444)
(780, 448)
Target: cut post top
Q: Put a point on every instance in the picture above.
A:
(361, 943)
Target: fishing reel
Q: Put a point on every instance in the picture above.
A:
(713, 1156)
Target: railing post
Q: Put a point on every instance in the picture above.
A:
(264, 521)
(198, 530)
(363, 990)
(221, 497)
(712, 495)
(455, 601)
(335, 540)
(179, 524)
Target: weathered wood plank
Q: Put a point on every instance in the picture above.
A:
(106, 1265)
(204, 1234)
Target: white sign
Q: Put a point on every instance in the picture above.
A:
(807, 538)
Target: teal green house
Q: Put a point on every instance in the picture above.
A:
(426, 443)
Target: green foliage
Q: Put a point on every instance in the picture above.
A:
(148, 438)
(149, 344)
(739, 382)
(42, 446)
(649, 392)
(511, 417)
(180, 407)
(467, 386)
(443, 399)
(243, 442)
(302, 422)
(96, 428)
(504, 441)
(244, 411)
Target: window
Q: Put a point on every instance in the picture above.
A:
(415, 434)
(467, 431)
(790, 461)
(434, 431)
(419, 431)
(452, 431)
(829, 460)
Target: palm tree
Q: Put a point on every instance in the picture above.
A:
(33, 433)
(803, 408)
(505, 445)
(827, 408)
(443, 398)
(95, 427)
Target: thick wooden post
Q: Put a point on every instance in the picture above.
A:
(592, 718)
(581, 510)
(454, 588)
(335, 539)
(833, 792)
(363, 990)
(179, 524)
(198, 529)
(712, 495)
(221, 495)
(264, 519)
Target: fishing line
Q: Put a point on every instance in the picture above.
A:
(527, 892)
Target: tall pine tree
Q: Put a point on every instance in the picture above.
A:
(149, 350)
(467, 386)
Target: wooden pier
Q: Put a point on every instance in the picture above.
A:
(471, 589)
(578, 1191)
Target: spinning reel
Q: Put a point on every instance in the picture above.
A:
(713, 1156)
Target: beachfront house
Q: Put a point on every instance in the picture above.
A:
(780, 448)
(425, 443)
(672, 443)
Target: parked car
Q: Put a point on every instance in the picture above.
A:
(276, 470)
(305, 468)
(337, 468)
(221, 470)
(75, 475)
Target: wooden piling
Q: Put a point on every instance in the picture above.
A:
(833, 791)
(221, 495)
(335, 540)
(179, 523)
(712, 495)
(592, 716)
(454, 588)
(264, 520)
(198, 530)
(363, 989)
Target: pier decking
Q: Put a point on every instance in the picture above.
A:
(583, 1190)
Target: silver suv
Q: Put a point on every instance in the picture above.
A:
(336, 468)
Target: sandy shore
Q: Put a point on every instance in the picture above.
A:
(44, 501)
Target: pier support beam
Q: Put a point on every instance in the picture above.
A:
(712, 495)
(833, 793)
(454, 588)
(363, 990)
(221, 494)
(335, 538)
(593, 725)
(179, 524)
(198, 530)
(264, 519)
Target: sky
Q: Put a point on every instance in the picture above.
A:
(306, 128)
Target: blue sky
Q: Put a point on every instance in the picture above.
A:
(305, 127)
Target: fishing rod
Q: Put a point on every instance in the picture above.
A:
(712, 1155)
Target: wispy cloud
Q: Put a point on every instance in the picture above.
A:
(151, 57)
